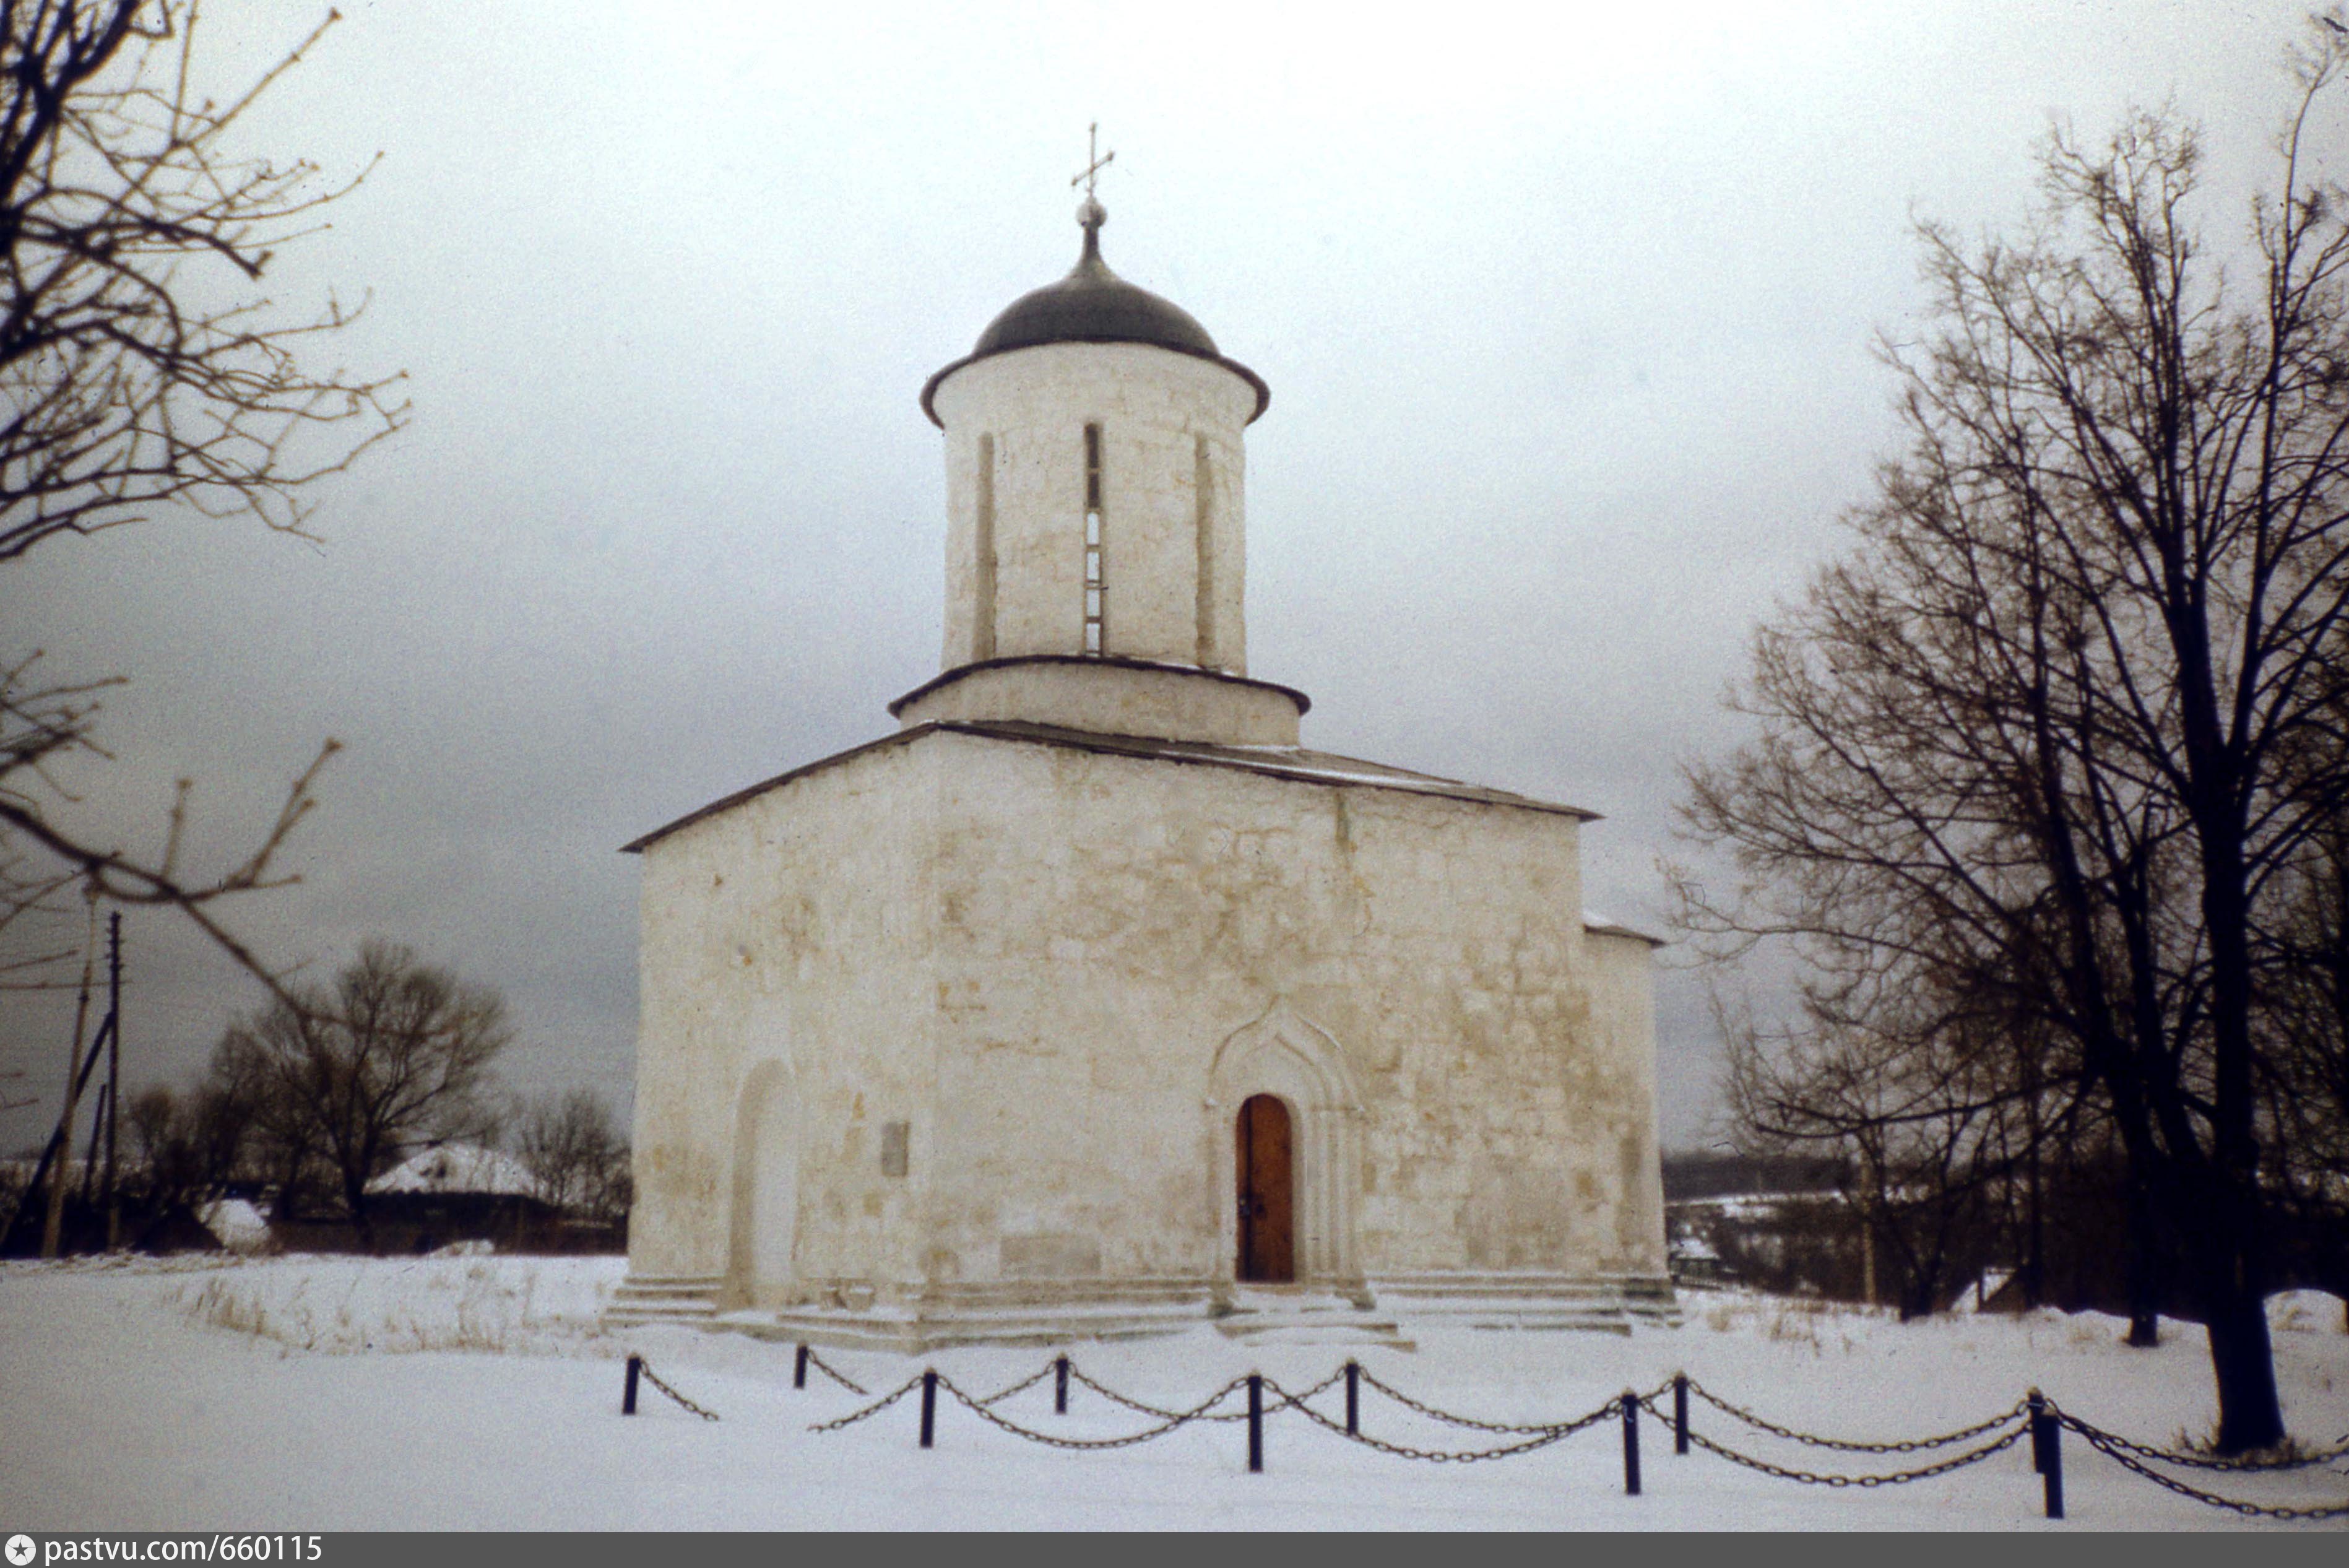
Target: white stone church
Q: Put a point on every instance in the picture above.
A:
(1092, 1001)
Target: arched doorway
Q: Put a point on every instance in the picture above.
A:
(1287, 1062)
(766, 1183)
(1264, 1161)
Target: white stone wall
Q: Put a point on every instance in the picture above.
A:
(796, 930)
(1623, 994)
(1155, 406)
(1063, 969)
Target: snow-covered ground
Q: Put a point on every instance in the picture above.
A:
(478, 1392)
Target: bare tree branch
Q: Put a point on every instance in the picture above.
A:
(2049, 767)
(143, 374)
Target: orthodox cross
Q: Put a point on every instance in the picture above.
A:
(1098, 159)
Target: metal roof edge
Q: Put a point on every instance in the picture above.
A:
(726, 803)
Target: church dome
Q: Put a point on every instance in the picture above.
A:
(1093, 305)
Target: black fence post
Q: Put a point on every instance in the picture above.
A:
(929, 1406)
(1680, 1412)
(2038, 1405)
(1631, 1443)
(2053, 1474)
(799, 1370)
(628, 1395)
(1353, 1397)
(1255, 1423)
(1060, 1386)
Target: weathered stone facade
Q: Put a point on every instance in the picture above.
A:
(944, 1038)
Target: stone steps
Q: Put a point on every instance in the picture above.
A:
(689, 1298)
(1296, 1315)
(912, 1333)
(1255, 1314)
(1531, 1301)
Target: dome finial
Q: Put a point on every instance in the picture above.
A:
(1090, 213)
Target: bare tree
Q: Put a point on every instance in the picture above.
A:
(143, 373)
(135, 379)
(2304, 1076)
(572, 1149)
(1921, 1110)
(395, 1055)
(2049, 745)
(267, 1134)
(191, 1144)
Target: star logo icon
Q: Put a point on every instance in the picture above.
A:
(20, 1549)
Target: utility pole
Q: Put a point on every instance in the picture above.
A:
(53, 1226)
(113, 1075)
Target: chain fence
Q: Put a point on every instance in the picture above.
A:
(2022, 1429)
(874, 1409)
(1544, 1435)
(828, 1370)
(1448, 1418)
(985, 1408)
(2249, 1464)
(654, 1379)
(2033, 1416)
(1025, 1383)
(2122, 1452)
(1849, 1446)
(1140, 1408)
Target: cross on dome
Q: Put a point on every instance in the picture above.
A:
(1090, 213)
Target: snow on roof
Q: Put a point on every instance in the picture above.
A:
(1755, 1204)
(1600, 925)
(458, 1167)
(235, 1224)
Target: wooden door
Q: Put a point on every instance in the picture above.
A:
(1266, 1192)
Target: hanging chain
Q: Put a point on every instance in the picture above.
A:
(1544, 1438)
(1905, 1446)
(1896, 1478)
(2115, 1449)
(1022, 1386)
(2212, 1462)
(654, 1378)
(1077, 1374)
(1173, 1418)
(1535, 1428)
(833, 1373)
(869, 1410)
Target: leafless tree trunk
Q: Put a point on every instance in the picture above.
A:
(2049, 745)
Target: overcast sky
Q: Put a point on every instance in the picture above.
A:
(1568, 314)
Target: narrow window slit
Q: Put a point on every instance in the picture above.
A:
(982, 631)
(1096, 578)
(1208, 651)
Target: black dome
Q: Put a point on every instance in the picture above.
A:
(1093, 305)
